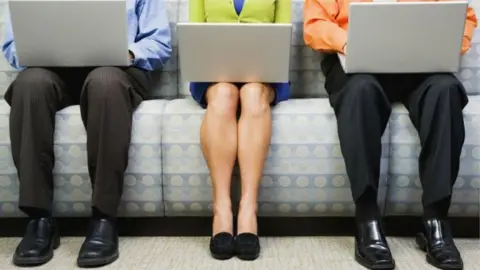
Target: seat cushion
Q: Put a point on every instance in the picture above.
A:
(143, 179)
(404, 187)
(304, 172)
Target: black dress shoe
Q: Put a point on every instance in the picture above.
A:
(222, 246)
(371, 248)
(247, 246)
(100, 246)
(40, 239)
(437, 242)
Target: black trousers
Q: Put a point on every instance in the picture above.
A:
(107, 98)
(362, 105)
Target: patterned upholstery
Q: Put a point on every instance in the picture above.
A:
(304, 174)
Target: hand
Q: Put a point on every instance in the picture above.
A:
(344, 49)
(131, 57)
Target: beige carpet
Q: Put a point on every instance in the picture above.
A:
(292, 253)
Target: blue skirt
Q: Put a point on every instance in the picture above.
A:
(199, 91)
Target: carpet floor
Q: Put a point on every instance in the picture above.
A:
(292, 253)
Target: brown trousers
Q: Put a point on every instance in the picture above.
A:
(107, 98)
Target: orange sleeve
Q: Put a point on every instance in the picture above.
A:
(321, 30)
(470, 25)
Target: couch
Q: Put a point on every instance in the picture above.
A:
(304, 173)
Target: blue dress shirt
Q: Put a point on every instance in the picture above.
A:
(148, 35)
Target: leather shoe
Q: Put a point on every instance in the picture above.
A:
(222, 246)
(100, 246)
(247, 246)
(437, 242)
(40, 239)
(371, 248)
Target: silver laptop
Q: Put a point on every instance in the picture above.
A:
(70, 33)
(404, 37)
(226, 52)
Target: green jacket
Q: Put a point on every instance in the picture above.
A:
(253, 11)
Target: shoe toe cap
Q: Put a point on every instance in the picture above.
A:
(451, 261)
(29, 253)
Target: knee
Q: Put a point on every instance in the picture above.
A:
(106, 82)
(255, 98)
(363, 85)
(444, 85)
(222, 98)
(34, 83)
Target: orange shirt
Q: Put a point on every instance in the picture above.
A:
(326, 24)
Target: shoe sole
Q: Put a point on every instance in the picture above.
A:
(421, 242)
(89, 263)
(248, 257)
(221, 257)
(36, 261)
(367, 265)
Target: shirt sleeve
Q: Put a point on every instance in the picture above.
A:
(8, 48)
(283, 11)
(321, 30)
(152, 47)
(470, 25)
(196, 12)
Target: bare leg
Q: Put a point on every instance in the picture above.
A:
(218, 137)
(254, 131)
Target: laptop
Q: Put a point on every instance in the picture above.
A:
(70, 33)
(234, 52)
(404, 37)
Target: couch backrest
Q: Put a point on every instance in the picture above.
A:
(305, 75)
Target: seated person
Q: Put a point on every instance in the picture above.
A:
(362, 105)
(224, 139)
(108, 97)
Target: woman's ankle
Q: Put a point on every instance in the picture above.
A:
(222, 219)
(247, 218)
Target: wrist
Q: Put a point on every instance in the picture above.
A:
(131, 56)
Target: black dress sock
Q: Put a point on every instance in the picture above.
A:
(97, 214)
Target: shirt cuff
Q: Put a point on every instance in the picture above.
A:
(466, 44)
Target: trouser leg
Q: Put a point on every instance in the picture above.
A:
(108, 99)
(435, 108)
(35, 96)
(362, 110)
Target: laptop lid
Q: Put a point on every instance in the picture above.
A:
(233, 52)
(385, 37)
(65, 33)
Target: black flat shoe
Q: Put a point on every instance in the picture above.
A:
(437, 242)
(40, 239)
(100, 246)
(222, 246)
(247, 246)
(371, 248)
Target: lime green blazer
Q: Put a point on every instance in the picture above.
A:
(253, 11)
